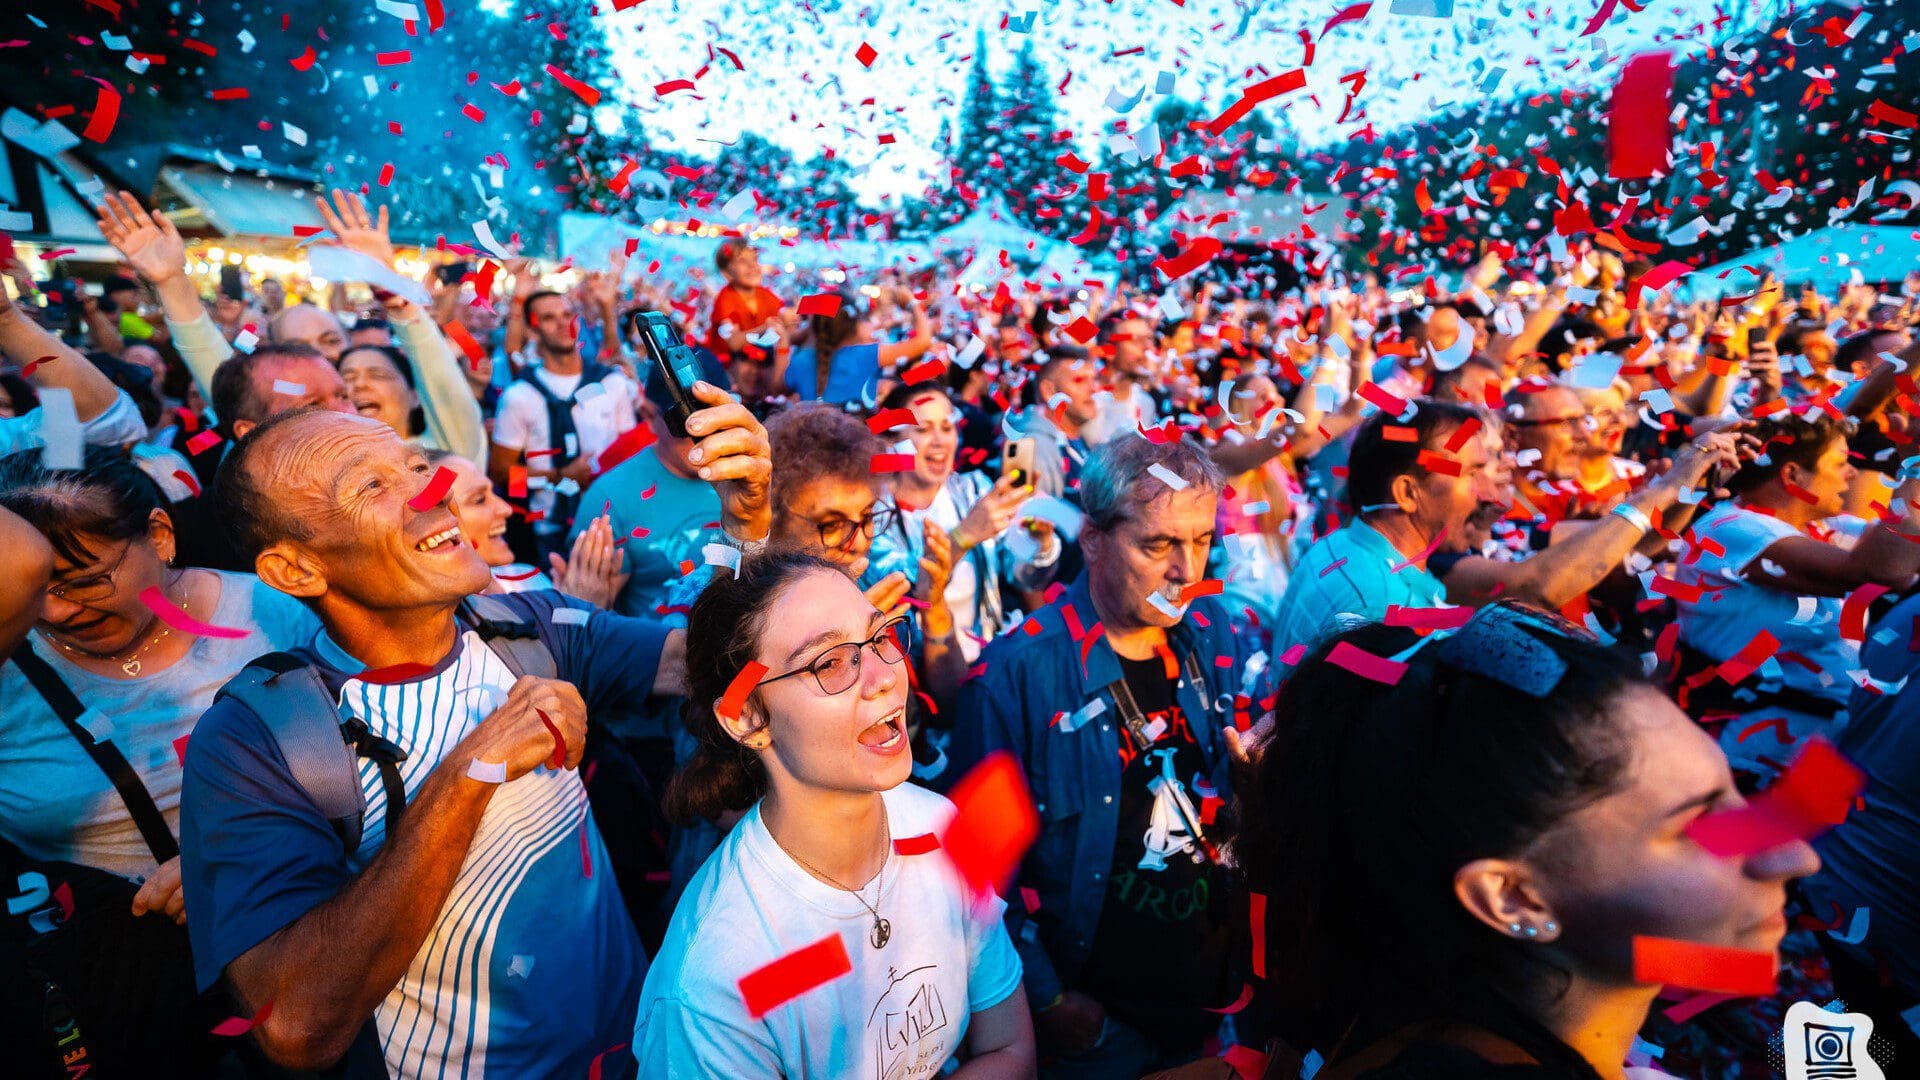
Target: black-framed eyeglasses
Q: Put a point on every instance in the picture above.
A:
(94, 587)
(838, 668)
(838, 533)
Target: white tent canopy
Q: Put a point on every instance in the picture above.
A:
(1825, 259)
(990, 229)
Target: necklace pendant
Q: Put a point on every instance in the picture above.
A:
(131, 667)
(882, 932)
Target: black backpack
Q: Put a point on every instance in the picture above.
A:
(322, 751)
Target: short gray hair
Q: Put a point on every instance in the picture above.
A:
(1119, 477)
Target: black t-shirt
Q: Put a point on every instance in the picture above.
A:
(1165, 945)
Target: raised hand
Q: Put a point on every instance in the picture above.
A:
(145, 238)
(597, 571)
(993, 513)
(357, 231)
(730, 452)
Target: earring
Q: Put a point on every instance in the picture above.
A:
(1552, 927)
(1513, 928)
(1533, 931)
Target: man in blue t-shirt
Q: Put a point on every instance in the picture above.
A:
(482, 928)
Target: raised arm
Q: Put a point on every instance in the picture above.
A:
(50, 363)
(893, 352)
(149, 242)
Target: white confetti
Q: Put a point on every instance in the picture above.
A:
(60, 429)
(1084, 713)
(487, 772)
(722, 555)
(290, 389)
(484, 233)
(571, 616)
(1167, 476)
(1165, 606)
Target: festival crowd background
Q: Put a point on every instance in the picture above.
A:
(1475, 642)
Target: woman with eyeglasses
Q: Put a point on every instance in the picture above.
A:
(1457, 865)
(142, 682)
(1603, 475)
(797, 700)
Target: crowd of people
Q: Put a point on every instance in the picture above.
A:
(436, 685)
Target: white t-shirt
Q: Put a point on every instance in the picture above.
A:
(901, 1012)
(598, 418)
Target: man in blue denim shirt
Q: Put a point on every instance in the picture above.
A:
(1116, 709)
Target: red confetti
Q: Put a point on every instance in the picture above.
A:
(386, 174)
(593, 1067)
(794, 974)
(1366, 665)
(435, 492)
(1743, 663)
(1257, 918)
(232, 93)
(916, 845)
(165, 610)
(1884, 113)
(743, 684)
(473, 112)
(240, 1025)
(630, 442)
(559, 757)
(1853, 613)
(1207, 587)
(881, 464)
(585, 93)
(457, 333)
(1638, 132)
(1694, 966)
(1382, 398)
(1812, 796)
(668, 87)
(389, 59)
(198, 444)
(1239, 1003)
(1191, 258)
(180, 749)
(395, 673)
(106, 110)
(994, 825)
(825, 304)
(1253, 95)
(891, 418)
(187, 478)
(1347, 15)
(924, 371)
(866, 55)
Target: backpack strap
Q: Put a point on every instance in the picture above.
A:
(286, 693)
(60, 698)
(513, 637)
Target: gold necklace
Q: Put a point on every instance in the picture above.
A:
(882, 929)
(131, 665)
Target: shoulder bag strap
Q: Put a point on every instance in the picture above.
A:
(55, 692)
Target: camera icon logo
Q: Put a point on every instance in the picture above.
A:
(1822, 1045)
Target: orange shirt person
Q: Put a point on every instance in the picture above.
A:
(745, 307)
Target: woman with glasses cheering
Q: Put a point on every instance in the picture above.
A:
(797, 699)
(96, 701)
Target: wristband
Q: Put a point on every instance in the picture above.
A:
(1635, 515)
(959, 547)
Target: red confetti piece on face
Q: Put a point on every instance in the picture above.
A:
(916, 845)
(199, 443)
(629, 443)
(1207, 587)
(995, 823)
(240, 1025)
(435, 492)
(743, 684)
(1743, 663)
(924, 371)
(794, 974)
(1811, 796)
(165, 610)
(581, 90)
(1191, 258)
(1693, 966)
(1853, 613)
(106, 110)
(1366, 665)
(881, 464)
(824, 304)
(892, 418)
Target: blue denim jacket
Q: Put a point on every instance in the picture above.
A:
(1075, 776)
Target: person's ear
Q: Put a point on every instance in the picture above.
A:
(1502, 894)
(241, 428)
(1404, 492)
(749, 729)
(160, 535)
(291, 570)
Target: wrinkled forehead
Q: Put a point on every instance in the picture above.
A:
(307, 459)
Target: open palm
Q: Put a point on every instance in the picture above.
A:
(357, 230)
(147, 239)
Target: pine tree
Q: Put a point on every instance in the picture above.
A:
(976, 158)
(1027, 147)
